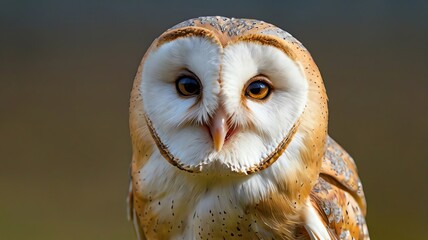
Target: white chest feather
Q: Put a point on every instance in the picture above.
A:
(182, 206)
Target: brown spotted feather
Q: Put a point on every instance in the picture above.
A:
(338, 195)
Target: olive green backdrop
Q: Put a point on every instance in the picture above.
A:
(66, 69)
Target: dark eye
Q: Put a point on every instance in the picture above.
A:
(258, 90)
(187, 86)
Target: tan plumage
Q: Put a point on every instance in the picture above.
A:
(325, 179)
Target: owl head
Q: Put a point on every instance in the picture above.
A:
(225, 96)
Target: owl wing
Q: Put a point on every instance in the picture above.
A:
(132, 215)
(338, 195)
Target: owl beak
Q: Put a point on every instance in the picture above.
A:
(219, 128)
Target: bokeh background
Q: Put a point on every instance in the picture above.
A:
(66, 70)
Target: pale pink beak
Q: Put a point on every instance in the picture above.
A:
(219, 128)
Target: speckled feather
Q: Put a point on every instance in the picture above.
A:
(338, 194)
(328, 176)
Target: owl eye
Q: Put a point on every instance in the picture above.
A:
(188, 86)
(258, 90)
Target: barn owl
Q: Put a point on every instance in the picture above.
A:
(228, 122)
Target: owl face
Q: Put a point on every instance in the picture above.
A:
(219, 102)
(229, 96)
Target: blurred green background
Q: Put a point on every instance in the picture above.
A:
(66, 69)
